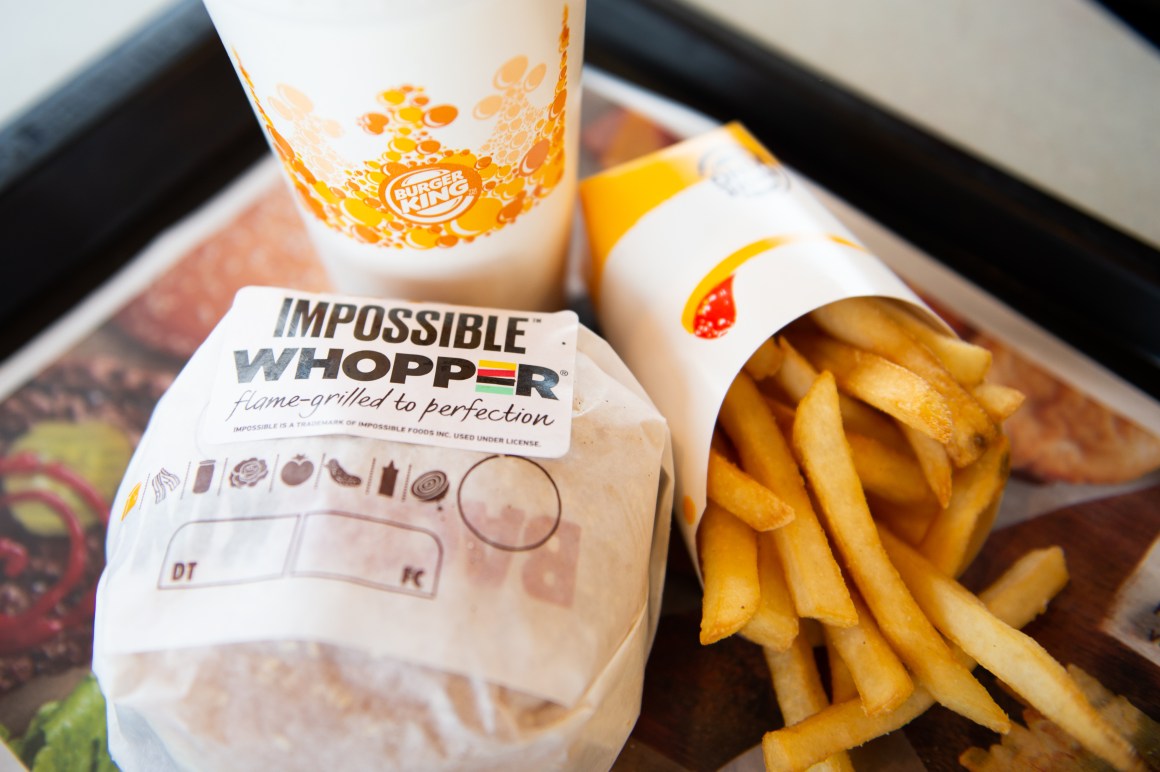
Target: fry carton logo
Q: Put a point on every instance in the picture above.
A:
(430, 194)
(740, 172)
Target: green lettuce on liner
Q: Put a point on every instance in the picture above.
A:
(67, 735)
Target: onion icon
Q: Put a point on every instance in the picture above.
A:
(248, 473)
(430, 486)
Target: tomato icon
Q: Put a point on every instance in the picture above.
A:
(297, 470)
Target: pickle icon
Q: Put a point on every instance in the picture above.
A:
(341, 476)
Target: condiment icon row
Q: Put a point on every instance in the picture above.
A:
(214, 477)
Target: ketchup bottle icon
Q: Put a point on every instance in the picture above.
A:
(388, 480)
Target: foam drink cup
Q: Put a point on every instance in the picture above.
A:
(431, 146)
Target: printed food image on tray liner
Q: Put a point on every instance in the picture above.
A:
(67, 431)
(67, 436)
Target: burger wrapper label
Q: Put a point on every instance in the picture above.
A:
(300, 364)
(473, 547)
(700, 252)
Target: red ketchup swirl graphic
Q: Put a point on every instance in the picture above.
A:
(716, 313)
(43, 619)
(710, 311)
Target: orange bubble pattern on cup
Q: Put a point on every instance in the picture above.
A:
(419, 193)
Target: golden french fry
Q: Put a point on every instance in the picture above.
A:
(764, 362)
(860, 418)
(909, 521)
(884, 470)
(799, 692)
(999, 401)
(880, 678)
(966, 362)
(795, 377)
(1041, 573)
(842, 685)
(1016, 659)
(840, 727)
(982, 530)
(796, 681)
(728, 550)
(782, 413)
(1017, 597)
(876, 381)
(820, 442)
(814, 579)
(861, 322)
(757, 506)
(934, 462)
(887, 473)
(775, 624)
(958, 531)
(796, 373)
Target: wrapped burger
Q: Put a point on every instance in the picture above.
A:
(379, 534)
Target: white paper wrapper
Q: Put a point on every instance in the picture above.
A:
(701, 251)
(344, 601)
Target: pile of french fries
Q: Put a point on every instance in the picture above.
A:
(857, 470)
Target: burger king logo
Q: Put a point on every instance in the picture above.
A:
(430, 194)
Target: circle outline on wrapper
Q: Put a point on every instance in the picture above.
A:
(491, 541)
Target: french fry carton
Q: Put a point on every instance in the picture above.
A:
(700, 252)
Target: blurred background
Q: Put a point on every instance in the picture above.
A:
(1064, 94)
